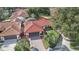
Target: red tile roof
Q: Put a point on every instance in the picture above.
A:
(9, 28)
(32, 27)
(37, 25)
(43, 22)
(18, 13)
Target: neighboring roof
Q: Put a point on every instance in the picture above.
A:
(36, 25)
(44, 21)
(41, 22)
(32, 27)
(15, 20)
(9, 28)
(19, 13)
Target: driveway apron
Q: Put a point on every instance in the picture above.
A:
(36, 41)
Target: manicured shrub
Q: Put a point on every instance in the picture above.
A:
(51, 38)
(22, 45)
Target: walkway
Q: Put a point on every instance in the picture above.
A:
(65, 41)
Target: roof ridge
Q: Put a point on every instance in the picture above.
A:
(35, 25)
(30, 26)
(6, 29)
(14, 28)
(9, 28)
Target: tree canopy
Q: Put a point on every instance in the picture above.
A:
(68, 20)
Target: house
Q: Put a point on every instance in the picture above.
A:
(35, 27)
(9, 30)
(19, 15)
(14, 28)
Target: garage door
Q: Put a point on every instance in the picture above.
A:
(33, 34)
(10, 37)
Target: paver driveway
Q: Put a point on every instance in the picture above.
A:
(9, 45)
(36, 41)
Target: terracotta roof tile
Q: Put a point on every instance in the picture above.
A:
(32, 27)
(11, 28)
(18, 13)
(36, 26)
(43, 22)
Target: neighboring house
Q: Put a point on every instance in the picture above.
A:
(35, 27)
(9, 30)
(31, 26)
(19, 15)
